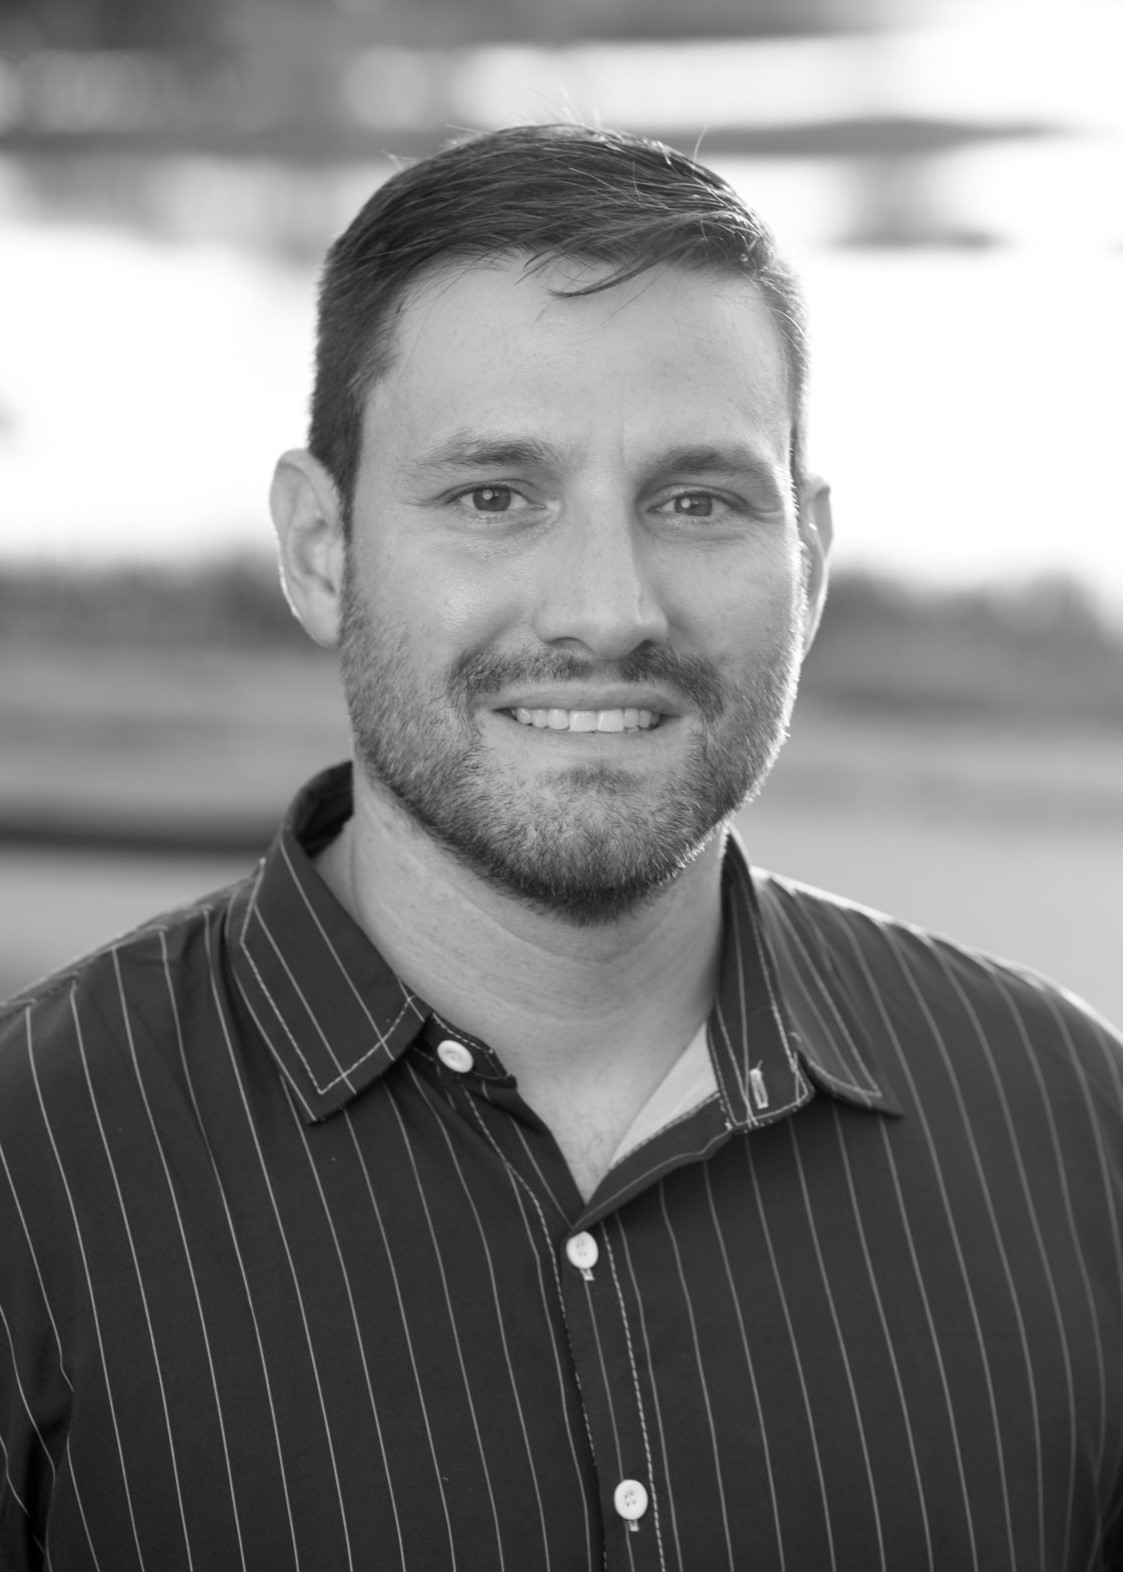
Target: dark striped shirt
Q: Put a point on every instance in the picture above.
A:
(286, 1281)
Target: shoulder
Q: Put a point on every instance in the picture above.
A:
(89, 1057)
(90, 1012)
(918, 988)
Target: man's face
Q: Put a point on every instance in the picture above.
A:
(574, 609)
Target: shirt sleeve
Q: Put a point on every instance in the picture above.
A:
(35, 1391)
(32, 1419)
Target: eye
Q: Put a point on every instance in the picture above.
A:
(694, 505)
(491, 499)
(495, 502)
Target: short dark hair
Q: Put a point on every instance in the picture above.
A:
(547, 192)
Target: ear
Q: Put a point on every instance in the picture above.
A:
(309, 523)
(816, 533)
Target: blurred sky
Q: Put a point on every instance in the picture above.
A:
(967, 308)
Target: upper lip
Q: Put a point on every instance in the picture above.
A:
(589, 699)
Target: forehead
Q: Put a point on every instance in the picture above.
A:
(501, 342)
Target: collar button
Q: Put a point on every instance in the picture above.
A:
(455, 1056)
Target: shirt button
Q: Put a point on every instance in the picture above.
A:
(582, 1251)
(630, 1499)
(454, 1056)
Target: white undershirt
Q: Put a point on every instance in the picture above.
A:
(689, 1082)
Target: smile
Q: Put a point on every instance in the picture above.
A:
(588, 720)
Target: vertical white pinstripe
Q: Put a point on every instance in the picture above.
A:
(8, 1482)
(809, 963)
(1065, 1191)
(299, 1297)
(119, 1192)
(860, 1226)
(655, 1492)
(377, 1210)
(703, 1385)
(298, 1124)
(1035, 1224)
(95, 1318)
(32, 1253)
(607, 1387)
(224, 1025)
(937, 1351)
(749, 1366)
(520, 1184)
(1003, 1256)
(809, 1211)
(655, 1402)
(941, 1184)
(742, 999)
(16, 1497)
(835, 1030)
(26, 1407)
(342, 1074)
(532, 1162)
(485, 1249)
(719, 1071)
(757, 935)
(344, 975)
(1111, 1062)
(158, 1143)
(795, 1352)
(35, 1262)
(543, 1247)
(216, 1000)
(81, 1509)
(1095, 1561)
(411, 1159)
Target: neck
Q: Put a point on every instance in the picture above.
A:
(554, 1000)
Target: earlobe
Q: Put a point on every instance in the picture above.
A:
(816, 533)
(308, 520)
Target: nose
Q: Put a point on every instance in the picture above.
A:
(597, 586)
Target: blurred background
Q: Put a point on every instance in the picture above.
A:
(949, 177)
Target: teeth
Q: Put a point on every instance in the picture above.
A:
(588, 720)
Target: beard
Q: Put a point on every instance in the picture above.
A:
(587, 844)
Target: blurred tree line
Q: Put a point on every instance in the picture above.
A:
(204, 26)
(1036, 652)
(172, 25)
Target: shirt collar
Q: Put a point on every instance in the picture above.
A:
(782, 1016)
(336, 1017)
(330, 1009)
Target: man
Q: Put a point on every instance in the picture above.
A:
(503, 1175)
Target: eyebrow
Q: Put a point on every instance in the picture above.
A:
(466, 450)
(735, 461)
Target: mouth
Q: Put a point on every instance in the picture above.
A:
(614, 720)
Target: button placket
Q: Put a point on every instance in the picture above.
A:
(612, 1374)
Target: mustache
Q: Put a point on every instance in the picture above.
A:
(687, 676)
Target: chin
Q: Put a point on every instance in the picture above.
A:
(592, 853)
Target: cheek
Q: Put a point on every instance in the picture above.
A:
(750, 604)
(450, 603)
(466, 608)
